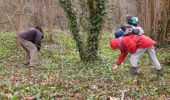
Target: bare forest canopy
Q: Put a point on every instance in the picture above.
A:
(16, 15)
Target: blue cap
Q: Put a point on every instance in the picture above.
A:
(119, 33)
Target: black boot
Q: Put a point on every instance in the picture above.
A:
(26, 63)
(134, 71)
(159, 73)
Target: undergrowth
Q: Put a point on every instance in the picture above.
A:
(61, 75)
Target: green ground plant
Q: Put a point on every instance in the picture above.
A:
(61, 75)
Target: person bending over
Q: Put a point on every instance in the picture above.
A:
(136, 46)
(30, 41)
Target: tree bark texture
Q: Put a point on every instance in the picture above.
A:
(154, 16)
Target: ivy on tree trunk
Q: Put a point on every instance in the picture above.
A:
(74, 28)
(96, 17)
(97, 12)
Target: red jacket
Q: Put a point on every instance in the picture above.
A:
(130, 44)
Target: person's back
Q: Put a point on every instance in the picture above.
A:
(134, 41)
(33, 35)
(28, 34)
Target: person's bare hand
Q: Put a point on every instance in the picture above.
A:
(115, 68)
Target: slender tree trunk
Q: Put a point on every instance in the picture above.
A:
(93, 34)
(96, 8)
(74, 28)
(4, 11)
(39, 12)
(19, 23)
(51, 23)
(96, 17)
(166, 20)
(50, 10)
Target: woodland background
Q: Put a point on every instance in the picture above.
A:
(154, 15)
(60, 73)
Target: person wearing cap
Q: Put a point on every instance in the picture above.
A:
(136, 46)
(132, 24)
(30, 41)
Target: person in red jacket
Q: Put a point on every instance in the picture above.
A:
(136, 46)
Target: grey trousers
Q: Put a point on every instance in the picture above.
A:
(31, 52)
(150, 51)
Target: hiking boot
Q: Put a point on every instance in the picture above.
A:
(26, 63)
(134, 71)
(159, 73)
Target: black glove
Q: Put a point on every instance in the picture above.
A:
(38, 48)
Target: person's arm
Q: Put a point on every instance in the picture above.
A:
(120, 60)
(121, 57)
(38, 39)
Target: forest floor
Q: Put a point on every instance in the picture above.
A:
(61, 75)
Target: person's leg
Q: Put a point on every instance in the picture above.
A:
(27, 57)
(27, 53)
(135, 57)
(154, 60)
(33, 53)
(134, 60)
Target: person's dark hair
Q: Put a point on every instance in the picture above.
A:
(39, 28)
(129, 20)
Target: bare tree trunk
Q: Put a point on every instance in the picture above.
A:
(157, 20)
(7, 15)
(166, 20)
(19, 16)
(38, 15)
(51, 23)
(153, 14)
(50, 7)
